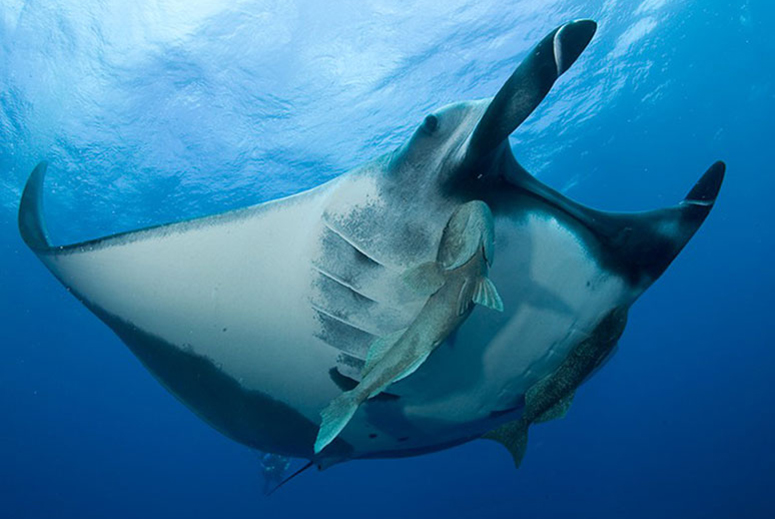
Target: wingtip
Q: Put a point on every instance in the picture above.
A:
(31, 225)
(706, 190)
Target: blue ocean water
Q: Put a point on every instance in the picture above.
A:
(154, 111)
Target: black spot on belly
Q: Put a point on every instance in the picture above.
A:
(403, 439)
(372, 436)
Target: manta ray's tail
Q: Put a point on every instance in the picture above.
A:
(335, 418)
(31, 225)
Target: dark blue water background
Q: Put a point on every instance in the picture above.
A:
(156, 111)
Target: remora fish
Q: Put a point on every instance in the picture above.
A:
(250, 317)
(551, 397)
(457, 278)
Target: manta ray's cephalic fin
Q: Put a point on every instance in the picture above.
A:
(639, 245)
(529, 85)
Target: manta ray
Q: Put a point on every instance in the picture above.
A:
(258, 318)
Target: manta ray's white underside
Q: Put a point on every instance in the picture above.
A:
(258, 294)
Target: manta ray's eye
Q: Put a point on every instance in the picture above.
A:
(430, 124)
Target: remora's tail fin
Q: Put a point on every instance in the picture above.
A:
(31, 225)
(513, 436)
(335, 418)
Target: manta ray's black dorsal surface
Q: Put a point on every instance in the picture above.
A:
(257, 319)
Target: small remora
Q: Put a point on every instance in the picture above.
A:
(455, 282)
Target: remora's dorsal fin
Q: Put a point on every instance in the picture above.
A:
(513, 436)
(31, 225)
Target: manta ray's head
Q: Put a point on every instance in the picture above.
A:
(463, 152)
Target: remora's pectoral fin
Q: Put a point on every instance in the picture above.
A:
(424, 279)
(557, 412)
(378, 350)
(513, 436)
(487, 295)
(335, 418)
